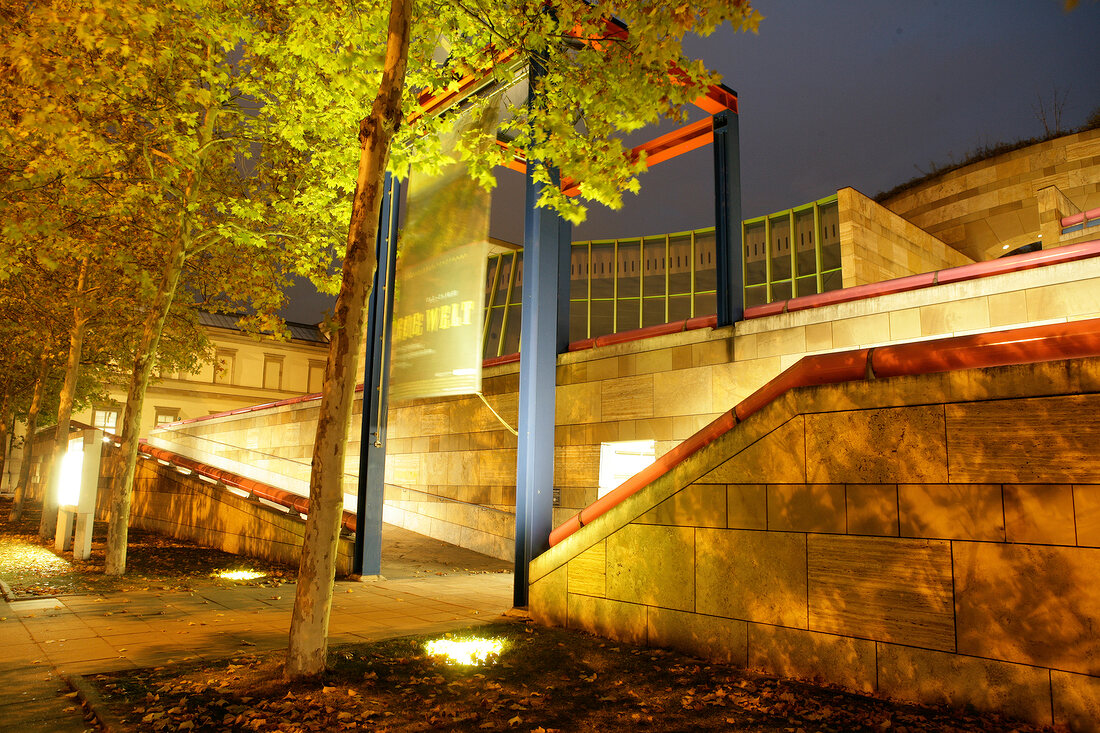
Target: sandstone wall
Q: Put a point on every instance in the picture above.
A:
(930, 538)
(451, 464)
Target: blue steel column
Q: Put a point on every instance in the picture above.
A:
(540, 342)
(727, 219)
(376, 368)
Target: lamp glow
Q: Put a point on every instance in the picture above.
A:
(621, 460)
(241, 575)
(466, 652)
(72, 470)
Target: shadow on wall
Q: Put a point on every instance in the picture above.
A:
(179, 504)
(932, 538)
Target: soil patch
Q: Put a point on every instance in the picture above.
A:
(31, 568)
(543, 680)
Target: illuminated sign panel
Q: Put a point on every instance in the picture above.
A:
(621, 460)
(72, 475)
(440, 289)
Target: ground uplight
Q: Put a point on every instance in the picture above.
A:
(240, 575)
(466, 652)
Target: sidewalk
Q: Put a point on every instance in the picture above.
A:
(43, 639)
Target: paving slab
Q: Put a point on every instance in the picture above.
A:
(73, 634)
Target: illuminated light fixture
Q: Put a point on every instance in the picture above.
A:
(77, 482)
(466, 652)
(1005, 247)
(240, 575)
(72, 470)
(621, 460)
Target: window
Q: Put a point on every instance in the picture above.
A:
(621, 460)
(165, 415)
(316, 376)
(106, 420)
(273, 372)
(225, 366)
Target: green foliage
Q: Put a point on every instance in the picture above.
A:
(596, 87)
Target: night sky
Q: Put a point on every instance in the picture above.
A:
(861, 93)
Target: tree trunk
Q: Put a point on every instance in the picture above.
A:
(47, 526)
(317, 569)
(5, 430)
(118, 523)
(28, 438)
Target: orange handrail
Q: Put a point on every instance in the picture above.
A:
(278, 496)
(1031, 344)
(1001, 266)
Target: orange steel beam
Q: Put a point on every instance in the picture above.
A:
(658, 150)
(432, 103)
(717, 98)
(677, 142)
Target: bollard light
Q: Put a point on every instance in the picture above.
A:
(77, 485)
(72, 474)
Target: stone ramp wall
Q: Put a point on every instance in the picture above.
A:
(450, 464)
(931, 538)
(181, 505)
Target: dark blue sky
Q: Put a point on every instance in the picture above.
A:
(862, 93)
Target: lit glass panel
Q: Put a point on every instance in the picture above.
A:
(756, 295)
(679, 267)
(653, 311)
(626, 266)
(653, 268)
(780, 249)
(492, 338)
(706, 304)
(578, 273)
(756, 249)
(627, 314)
(602, 311)
(512, 330)
(807, 285)
(830, 241)
(578, 320)
(832, 281)
(706, 273)
(679, 307)
(603, 269)
(806, 252)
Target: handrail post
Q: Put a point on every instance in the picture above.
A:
(367, 559)
(544, 333)
(727, 219)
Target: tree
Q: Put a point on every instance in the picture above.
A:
(612, 82)
(144, 122)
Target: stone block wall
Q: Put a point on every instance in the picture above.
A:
(986, 207)
(876, 244)
(930, 538)
(181, 505)
(451, 464)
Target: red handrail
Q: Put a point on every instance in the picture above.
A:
(1081, 218)
(1052, 342)
(278, 496)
